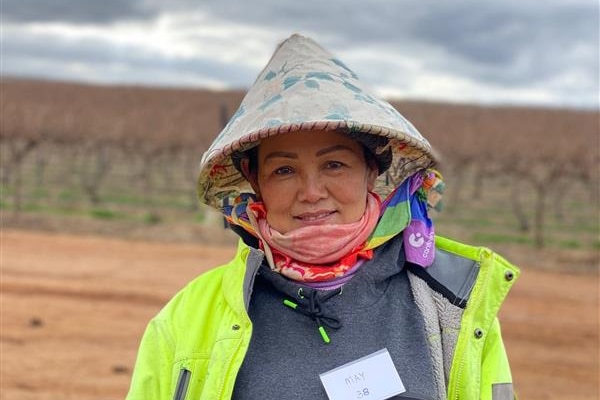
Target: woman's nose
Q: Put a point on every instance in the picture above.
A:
(312, 190)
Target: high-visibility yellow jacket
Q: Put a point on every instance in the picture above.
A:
(196, 344)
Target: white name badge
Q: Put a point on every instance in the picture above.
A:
(373, 377)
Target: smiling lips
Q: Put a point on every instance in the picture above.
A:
(316, 217)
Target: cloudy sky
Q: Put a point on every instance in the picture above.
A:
(527, 52)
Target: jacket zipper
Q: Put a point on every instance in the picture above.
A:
(229, 366)
(182, 384)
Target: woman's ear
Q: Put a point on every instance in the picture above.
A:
(372, 174)
(251, 176)
(371, 178)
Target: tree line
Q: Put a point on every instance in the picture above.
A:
(155, 135)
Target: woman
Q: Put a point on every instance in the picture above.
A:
(339, 288)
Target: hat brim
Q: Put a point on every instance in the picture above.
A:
(220, 179)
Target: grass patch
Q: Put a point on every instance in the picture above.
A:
(570, 244)
(151, 218)
(69, 195)
(127, 199)
(68, 211)
(40, 193)
(199, 217)
(590, 227)
(102, 213)
(171, 201)
(6, 190)
(34, 207)
(176, 202)
(475, 222)
(485, 237)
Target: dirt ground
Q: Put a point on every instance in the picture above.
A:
(74, 308)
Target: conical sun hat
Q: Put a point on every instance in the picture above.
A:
(304, 87)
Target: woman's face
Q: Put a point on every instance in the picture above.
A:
(312, 178)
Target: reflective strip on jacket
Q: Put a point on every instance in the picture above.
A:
(196, 344)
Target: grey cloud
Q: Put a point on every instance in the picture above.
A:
(510, 43)
(354, 21)
(74, 11)
(501, 36)
(20, 52)
(487, 33)
(507, 43)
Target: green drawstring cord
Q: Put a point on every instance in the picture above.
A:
(324, 334)
(322, 330)
(290, 304)
(317, 316)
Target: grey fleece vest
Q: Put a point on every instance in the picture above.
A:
(376, 310)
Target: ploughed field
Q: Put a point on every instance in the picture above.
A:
(74, 308)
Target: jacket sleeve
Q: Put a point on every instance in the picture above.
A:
(152, 375)
(496, 378)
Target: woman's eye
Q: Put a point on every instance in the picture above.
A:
(283, 171)
(334, 165)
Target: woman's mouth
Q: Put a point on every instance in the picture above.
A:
(316, 217)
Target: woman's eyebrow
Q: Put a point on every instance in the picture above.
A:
(330, 149)
(284, 154)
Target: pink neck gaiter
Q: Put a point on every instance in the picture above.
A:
(316, 253)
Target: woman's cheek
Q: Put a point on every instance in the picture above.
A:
(349, 189)
(276, 195)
